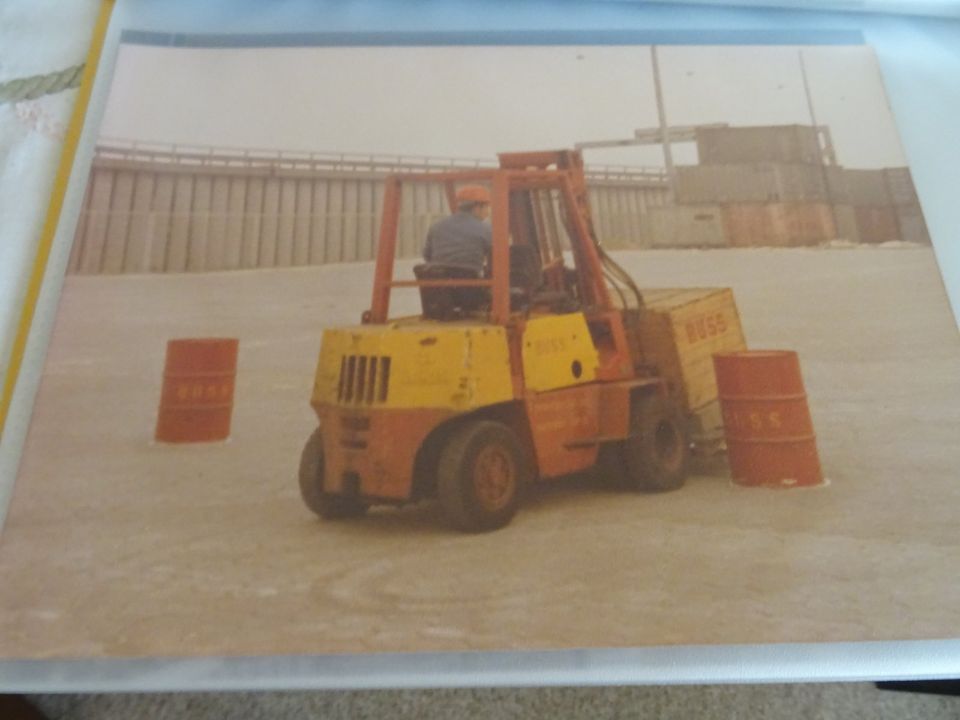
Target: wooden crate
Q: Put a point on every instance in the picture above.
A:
(679, 331)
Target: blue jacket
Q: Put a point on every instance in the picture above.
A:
(460, 239)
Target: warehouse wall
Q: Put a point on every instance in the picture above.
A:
(171, 217)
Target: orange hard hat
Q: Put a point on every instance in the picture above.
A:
(473, 194)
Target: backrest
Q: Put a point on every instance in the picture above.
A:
(441, 303)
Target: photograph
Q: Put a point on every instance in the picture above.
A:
(422, 348)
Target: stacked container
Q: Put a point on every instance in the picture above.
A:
(769, 186)
(865, 193)
(769, 183)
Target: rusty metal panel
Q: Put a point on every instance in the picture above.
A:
(778, 224)
(877, 223)
(773, 143)
(748, 225)
(805, 223)
(699, 226)
(867, 187)
(199, 224)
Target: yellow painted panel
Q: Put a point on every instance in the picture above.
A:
(424, 365)
(555, 348)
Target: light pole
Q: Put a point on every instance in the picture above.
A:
(664, 128)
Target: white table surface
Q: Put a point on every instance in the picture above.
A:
(920, 60)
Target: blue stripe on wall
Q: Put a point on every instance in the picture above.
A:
(784, 36)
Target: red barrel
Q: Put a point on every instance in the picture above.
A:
(196, 403)
(770, 439)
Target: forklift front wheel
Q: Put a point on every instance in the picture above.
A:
(481, 471)
(657, 453)
(329, 506)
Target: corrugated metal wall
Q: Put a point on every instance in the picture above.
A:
(618, 208)
(149, 213)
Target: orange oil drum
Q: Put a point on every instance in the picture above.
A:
(769, 432)
(196, 403)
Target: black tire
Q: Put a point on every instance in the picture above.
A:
(329, 506)
(611, 467)
(480, 475)
(656, 456)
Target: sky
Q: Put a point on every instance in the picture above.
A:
(478, 101)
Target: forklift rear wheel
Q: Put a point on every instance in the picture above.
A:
(329, 506)
(655, 457)
(481, 471)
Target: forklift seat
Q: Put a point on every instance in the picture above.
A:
(448, 303)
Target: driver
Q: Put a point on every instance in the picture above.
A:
(463, 238)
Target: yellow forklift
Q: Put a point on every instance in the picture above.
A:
(548, 363)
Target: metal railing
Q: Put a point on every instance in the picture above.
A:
(200, 156)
